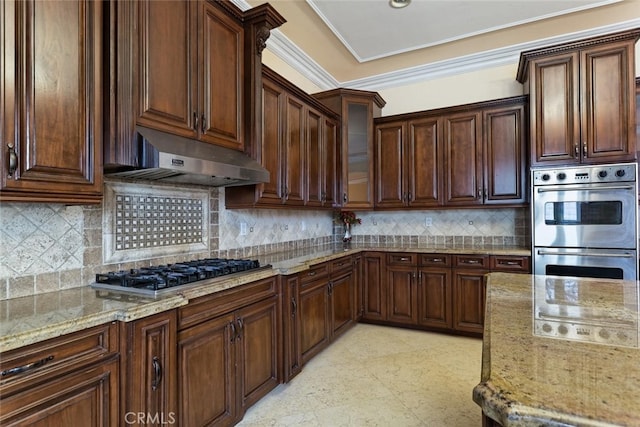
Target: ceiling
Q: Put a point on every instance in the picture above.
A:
(369, 45)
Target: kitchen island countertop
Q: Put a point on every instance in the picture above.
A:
(560, 351)
(30, 319)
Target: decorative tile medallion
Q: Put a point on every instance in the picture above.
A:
(144, 221)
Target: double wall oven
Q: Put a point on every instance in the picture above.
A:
(585, 221)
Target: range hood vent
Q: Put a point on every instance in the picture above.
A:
(165, 157)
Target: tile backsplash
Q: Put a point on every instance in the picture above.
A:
(47, 247)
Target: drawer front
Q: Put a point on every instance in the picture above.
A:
(435, 260)
(340, 265)
(58, 355)
(315, 272)
(513, 263)
(402, 258)
(471, 261)
(210, 306)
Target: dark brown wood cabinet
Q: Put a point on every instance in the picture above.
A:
(434, 295)
(150, 380)
(464, 156)
(191, 70)
(62, 380)
(582, 100)
(228, 353)
(401, 279)
(469, 288)
(357, 108)
(319, 305)
(374, 290)
(51, 84)
(299, 147)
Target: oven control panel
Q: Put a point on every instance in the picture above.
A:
(622, 172)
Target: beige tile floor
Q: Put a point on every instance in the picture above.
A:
(380, 376)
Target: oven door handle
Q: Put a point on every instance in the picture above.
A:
(585, 188)
(600, 254)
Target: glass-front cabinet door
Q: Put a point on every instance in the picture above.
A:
(357, 109)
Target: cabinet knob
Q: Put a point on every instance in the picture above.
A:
(13, 160)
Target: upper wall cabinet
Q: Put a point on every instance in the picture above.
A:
(462, 156)
(298, 147)
(357, 109)
(191, 68)
(582, 100)
(51, 101)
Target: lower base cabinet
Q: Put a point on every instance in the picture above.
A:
(63, 380)
(319, 305)
(228, 353)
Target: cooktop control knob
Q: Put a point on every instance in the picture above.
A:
(547, 328)
(620, 173)
(546, 177)
(562, 175)
(602, 174)
(563, 329)
(604, 334)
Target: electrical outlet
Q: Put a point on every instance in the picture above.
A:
(303, 226)
(243, 228)
(428, 222)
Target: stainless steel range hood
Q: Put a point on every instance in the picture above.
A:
(165, 157)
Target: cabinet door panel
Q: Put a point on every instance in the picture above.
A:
(425, 163)
(331, 158)
(271, 148)
(389, 165)
(554, 99)
(505, 160)
(374, 290)
(469, 290)
(89, 396)
(342, 303)
(434, 297)
(167, 73)
(52, 104)
(607, 108)
(259, 345)
(315, 155)
(401, 292)
(206, 362)
(295, 153)
(463, 154)
(291, 321)
(314, 319)
(221, 87)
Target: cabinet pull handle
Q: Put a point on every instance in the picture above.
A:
(330, 288)
(584, 149)
(195, 121)
(294, 307)
(436, 260)
(313, 273)
(13, 160)
(576, 150)
(409, 197)
(510, 263)
(471, 261)
(203, 124)
(27, 367)
(233, 331)
(157, 373)
(344, 197)
(240, 328)
(404, 258)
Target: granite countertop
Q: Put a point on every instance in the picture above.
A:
(31, 319)
(535, 375)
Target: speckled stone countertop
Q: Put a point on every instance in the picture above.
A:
(31, 319)
(535, 375)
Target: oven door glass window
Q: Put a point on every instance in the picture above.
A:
(583, 213)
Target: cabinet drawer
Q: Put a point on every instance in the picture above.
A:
(314, 273)
(402, 258)
(340, 265)
(41, 361)
(210, 306)
(438, 260)
(471, 261)
(509, 263)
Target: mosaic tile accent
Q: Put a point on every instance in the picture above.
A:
(145, 221)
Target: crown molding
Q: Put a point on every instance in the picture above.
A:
(296, 58)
